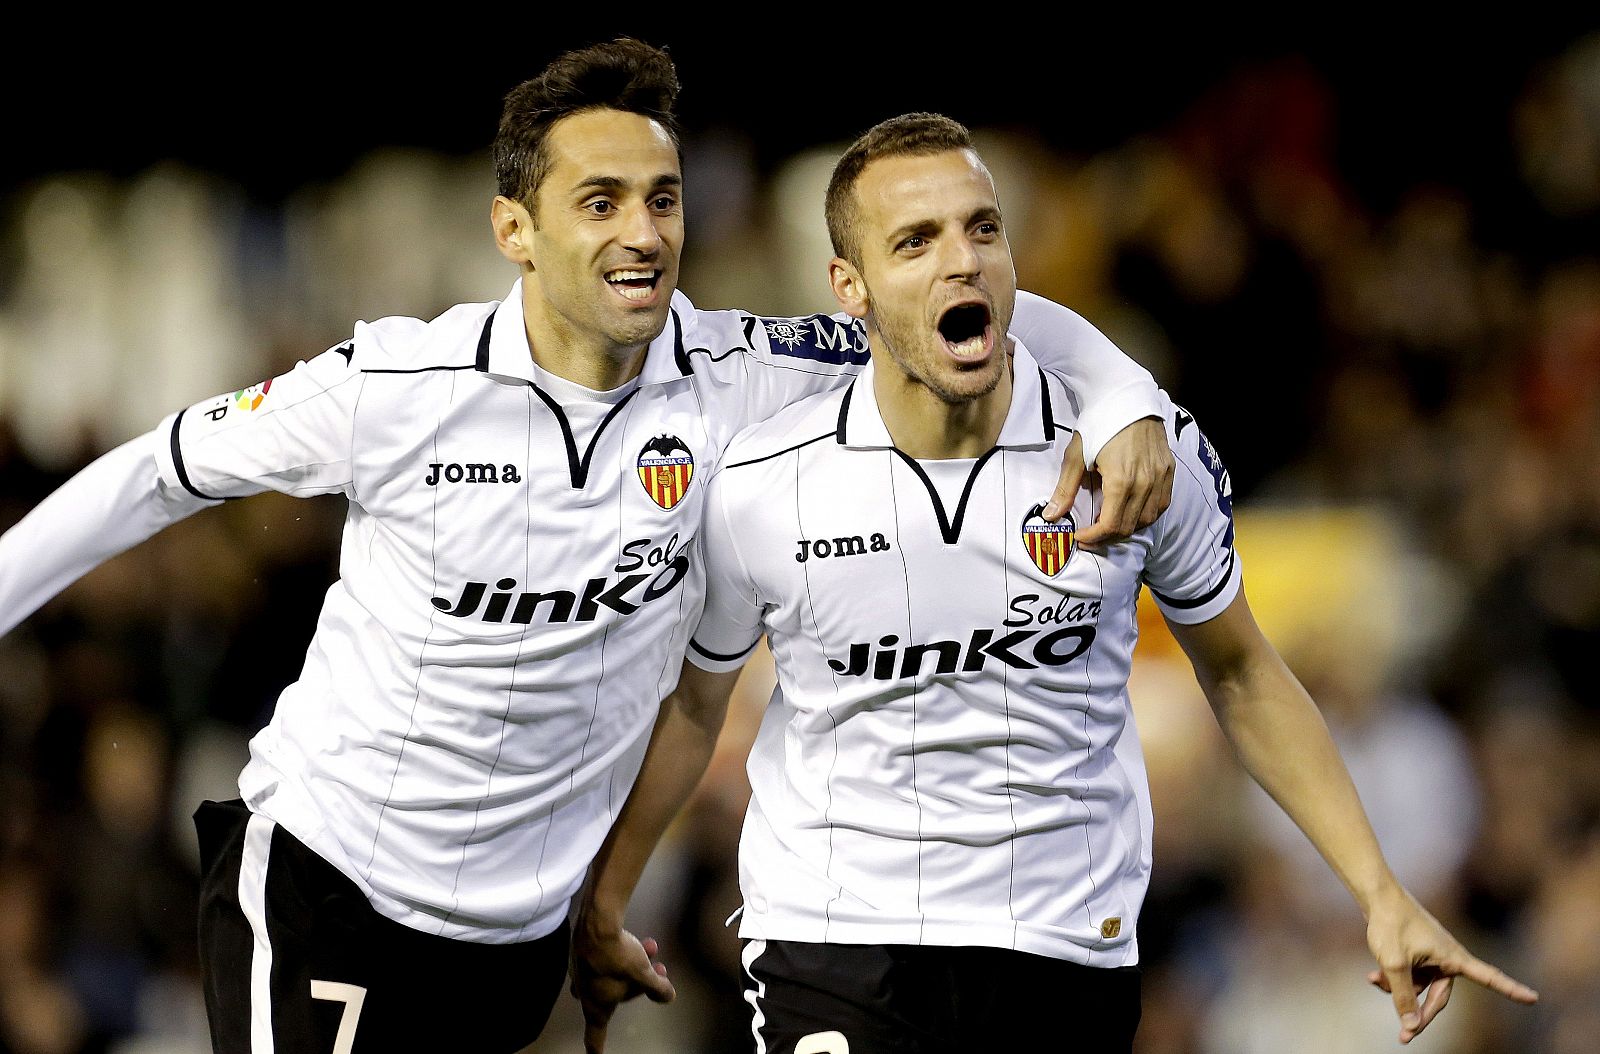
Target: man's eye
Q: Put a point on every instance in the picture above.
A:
(988, 228)
(916, 241)
(665, 203)
(600, 207)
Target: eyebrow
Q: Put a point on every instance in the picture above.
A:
(666, 179)
(986, 212)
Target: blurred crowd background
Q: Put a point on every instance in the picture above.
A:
(1399, 361)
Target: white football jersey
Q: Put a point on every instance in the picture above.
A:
(949, 757)
(518, 577)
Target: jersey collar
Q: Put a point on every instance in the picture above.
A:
(1029, 420)
(503, 346)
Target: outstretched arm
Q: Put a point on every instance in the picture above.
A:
(1281, 739)
(609, 964)
(1123, 437)
(112, 505)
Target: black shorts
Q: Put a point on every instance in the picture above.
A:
(900, 999)
(295, 961)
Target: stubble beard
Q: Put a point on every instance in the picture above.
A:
(896, 338)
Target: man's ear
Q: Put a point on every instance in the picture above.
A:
(513, 230)
(849, 288)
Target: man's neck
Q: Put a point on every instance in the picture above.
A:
(561, 348)
(926, 427)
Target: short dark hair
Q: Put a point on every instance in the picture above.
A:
(909, 135)
(625, 74)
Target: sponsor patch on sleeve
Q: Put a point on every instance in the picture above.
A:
(819, 338)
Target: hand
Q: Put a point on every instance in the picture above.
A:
(1416, 953)
(609, 967)
(1135, 469)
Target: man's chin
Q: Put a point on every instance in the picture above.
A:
(639, 328)
(963, 387)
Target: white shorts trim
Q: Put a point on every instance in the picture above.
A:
(752, 951)
(253, 901)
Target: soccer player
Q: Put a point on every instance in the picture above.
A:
(948, 838)
(519, 574)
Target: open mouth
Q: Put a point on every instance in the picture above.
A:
(965, 329)
(634, 284)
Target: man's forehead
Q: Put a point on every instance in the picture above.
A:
(928, 183)
(605, 142)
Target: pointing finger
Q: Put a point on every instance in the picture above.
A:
(1494, 979)
(1067, 485)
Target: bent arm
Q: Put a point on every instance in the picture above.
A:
(1280, 738)
(609, 964)
(112, 505)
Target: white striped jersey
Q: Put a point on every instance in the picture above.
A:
(515, 590)
(949, 757)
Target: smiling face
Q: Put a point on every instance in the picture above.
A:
(935, 281)
(600, 244)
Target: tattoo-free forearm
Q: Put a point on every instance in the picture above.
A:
(680, 750)
(1282, 741)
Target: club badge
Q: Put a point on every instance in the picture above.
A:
(665, 469)
(1049, 545)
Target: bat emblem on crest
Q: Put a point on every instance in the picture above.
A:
(665, 468)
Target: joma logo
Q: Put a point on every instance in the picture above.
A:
(850, 545)
(481, 473)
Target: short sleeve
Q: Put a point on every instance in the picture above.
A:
(1193, 571)
(730, 626)
(291, 433)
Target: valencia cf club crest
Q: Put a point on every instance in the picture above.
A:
(1049, 545)
(665, 469)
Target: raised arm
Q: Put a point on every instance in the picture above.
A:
(112, 505)
(609, 964)
(291, 433)
(1119, 420)
(1280, 738)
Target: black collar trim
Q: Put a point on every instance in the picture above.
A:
(577, 467)
(844, 411)
(483, 344)
(948, 529)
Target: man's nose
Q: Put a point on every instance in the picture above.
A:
(640, 233)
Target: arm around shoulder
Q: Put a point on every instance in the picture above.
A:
(1112, 390)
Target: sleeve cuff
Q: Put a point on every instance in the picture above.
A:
(169, 458)
(1208, 605)
(1100, 422)
(717, 662)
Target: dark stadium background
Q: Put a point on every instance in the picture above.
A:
(1475, 450)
